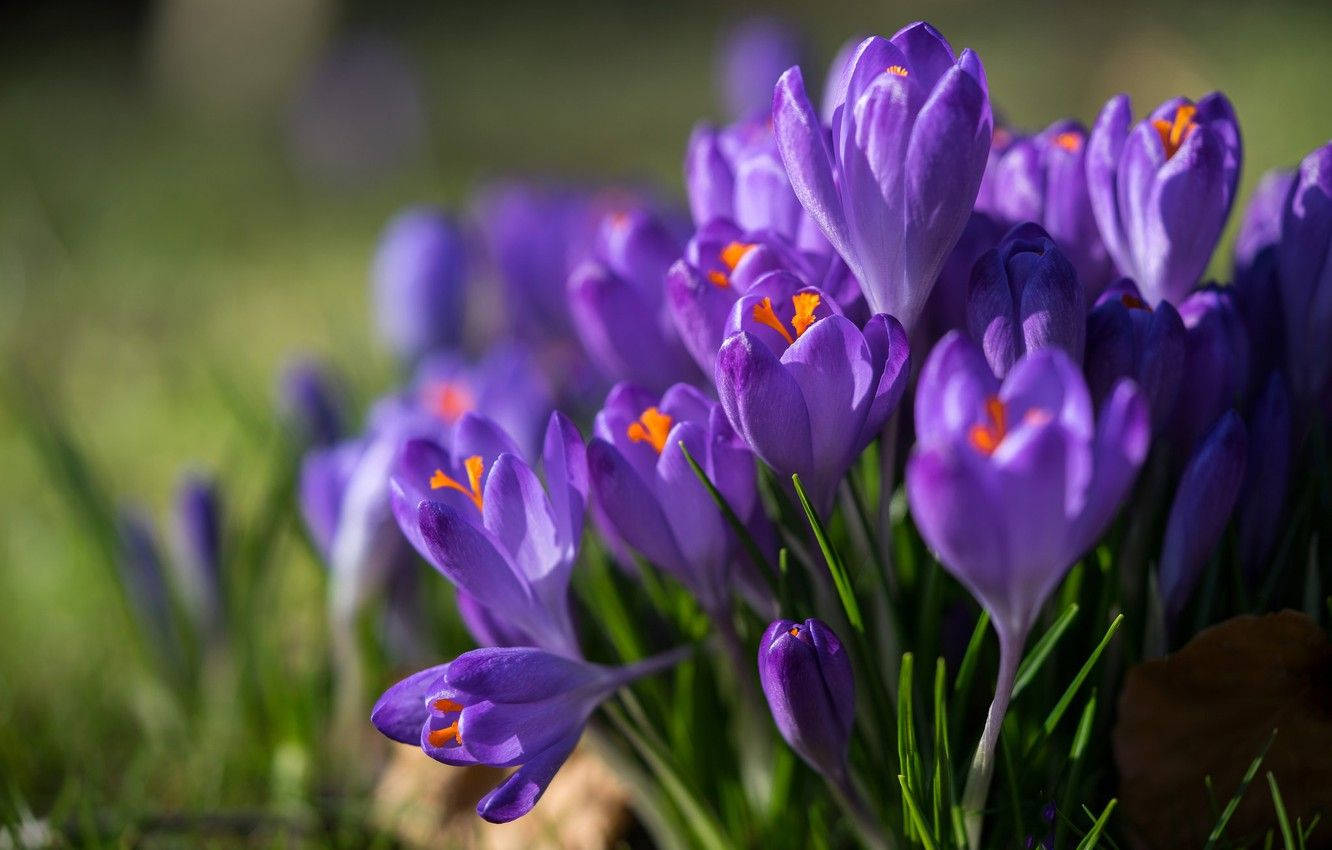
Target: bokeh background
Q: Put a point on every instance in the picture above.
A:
(190, 193)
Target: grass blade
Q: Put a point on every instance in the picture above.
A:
(1231, 806)
(836, 568)
(967, 669)
(1052, 719)
(746, 539)
(1282, 819)
(1030, 665)
(915, 817)
(1094, 834)
(907, 754)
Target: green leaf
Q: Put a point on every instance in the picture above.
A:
(944, 800)
(746, 539)
(914, 816)
(1282, 820)
(1231, 806)
(965, 671)
(1032, 663)
(841, 580)
(1094, 834)
(1052, 719)
(907, 754)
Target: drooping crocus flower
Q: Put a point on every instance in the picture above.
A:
(419, 280)
(1009, 484)
(618, 303)
(805, 387)
(1216, 364)
(478, 513)
(1161, 189)
(1305, 261)
(1025, 295)
(753, 54)
(1043, 179)
(1262, 500)
(893, 186)
(1257, 287)
(1127, 338)
(505, 707)
(311, 401)
(1202, 507)
(197, 517)
(806, 676)
(652, 498)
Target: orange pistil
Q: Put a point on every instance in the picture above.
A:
(652, 427)
(441, 737)
(987, 437)
(448, 400)
(730, 256)
(1174, 133)
(1133, 302)
(719, 279)
(1069, 141)
(765, 315)
(794, 631)
(474, 466)
(897, 70)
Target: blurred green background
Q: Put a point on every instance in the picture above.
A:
(180, 212)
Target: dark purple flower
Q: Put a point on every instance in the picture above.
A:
(1260, 512)
(753, 55)
(311, 400)
(1257, 287)
(419, 282)
(144, 581)
(1126, 338)
(1161, 189)
(504, 707)
(653, 500)
(1010, 483)
(1305, 260)
(893, 183)
(197, 517)
(1043, 178)
(1202, 506)
(478, 513)
(805, 387)
(1025, 295)
(1216, 364)
(619, 306)
(946, 309)
(806, 676)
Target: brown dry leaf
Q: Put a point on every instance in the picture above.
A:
(1207, 710)
(427, 804)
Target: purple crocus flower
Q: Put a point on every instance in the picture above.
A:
(1025, 295)
(753, 55)
(419, 280)
(1161, 189)
(198, 536)
(653, 500)
(311, 400)
(1127, 338)
(144, 582)
(1202, 507)
(1009, 484)
(1216, 364)
(1043, 178)
(478, 513)
(1305, 260)
(1257, 287)
(946, 309)
(1262, 502)
(505, 707)
(805, 387)
(619, 306)
(806, 676)
(892, 187)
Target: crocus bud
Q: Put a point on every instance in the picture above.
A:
(312, 402)
(1202, 506)
(1262, 500)
(1043, 178)
(946, 309)
(806, 676)
(1216, 364)
(1306, 277)
(1257, 287)
(198, 530)
(1162, 189)
(736, 174)
(1025, 295)
(1126, 338)
(753, 55)
(143, 581)
(909, 151)
(418, 283)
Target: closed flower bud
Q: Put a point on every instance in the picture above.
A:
(419, 280)
(806, 676)
(1305, 261)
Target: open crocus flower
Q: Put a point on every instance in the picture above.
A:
(1127, 338)
(652, 498)
(805, 387)
(1161, 190)
(1009, 484)
(1043, 179)
(504, 707)
(619, 306)
(908, 146)
(478, 513)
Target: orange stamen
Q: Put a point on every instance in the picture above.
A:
(897, 70)
(1174, 133)
(1069, 141)
(734, 252)
(719, 279)
(987, 437)
(1133, 302)
(440, 737)
(805, 305)
(474, 466)
(449, 400)
(447, 705)
(652, 427)
(794, 631)
(765, 315)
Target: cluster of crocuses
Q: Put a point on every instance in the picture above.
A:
(1036, 299)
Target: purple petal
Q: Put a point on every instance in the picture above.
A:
(764, 402)
(402, 710)
(517, 795)
(808, 161)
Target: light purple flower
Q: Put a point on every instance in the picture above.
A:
(197, 519)
(753, 55)
(311, 400)
(419, 283)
